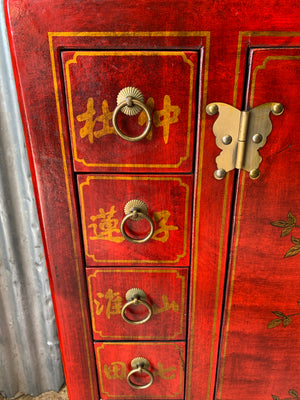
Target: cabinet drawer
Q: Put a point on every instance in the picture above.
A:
(167, 81)
(166, 364)
(165, 292)
(102, 201)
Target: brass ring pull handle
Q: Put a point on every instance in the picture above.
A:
(135, 297)
(140, 365)
(136, 210)
(131, 101)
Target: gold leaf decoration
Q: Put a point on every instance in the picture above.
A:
(286, 320)
(293, 251)
(287, 226)
(274, 323)
(293, 393)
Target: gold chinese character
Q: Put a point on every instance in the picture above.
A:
(165, 117)
(90, 121)
(106, 229)
(161, 118)
(142, 120)
(99, 306)
(165, 373)
(166, 306)
(113, 305)
(116, 370)
(162, 234)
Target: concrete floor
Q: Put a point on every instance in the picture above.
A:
(62, 395)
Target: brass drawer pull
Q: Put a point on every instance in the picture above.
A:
(140, 365)
(136, 210)
(131, 101)
(135, 297)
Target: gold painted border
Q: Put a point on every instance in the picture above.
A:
(149, 53)
(177, 349)
(203, 96)
(72, 219)
(264, 66)
(136, 271)
(134, 178)
(242, 184)
(131, 34)
(250, 34)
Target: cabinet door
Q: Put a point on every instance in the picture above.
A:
(259, 356)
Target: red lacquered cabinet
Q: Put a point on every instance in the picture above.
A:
(164, 144)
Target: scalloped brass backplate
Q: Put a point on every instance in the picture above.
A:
(239, 134)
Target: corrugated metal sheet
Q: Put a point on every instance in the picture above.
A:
(30, 360)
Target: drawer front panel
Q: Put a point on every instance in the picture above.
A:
(167, 81)
(166, 293)
(166, 366)
(102, 201)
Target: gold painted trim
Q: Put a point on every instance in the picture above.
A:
(197, 223)
(177, 349)
(149, 53)
(237, 67)
(132, 34)
(137, 271)
(264, 66)
(72, 221)
(250, 34)
(134, 178)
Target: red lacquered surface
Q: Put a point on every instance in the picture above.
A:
(168, 199)
(166, 293)
(261, 330)
(167, 80)
(221, 32)
(166, 364)
(50, 154)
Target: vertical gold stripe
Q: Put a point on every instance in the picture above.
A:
(237, 68)
(197, 219)
(71, 216)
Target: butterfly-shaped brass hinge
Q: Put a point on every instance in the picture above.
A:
(239, 134)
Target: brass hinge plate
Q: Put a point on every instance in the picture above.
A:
(239, 134)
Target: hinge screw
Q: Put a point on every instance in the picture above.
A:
(277, 109)
(227, 139)
(257, 138)
(254, 173)
(220, 174)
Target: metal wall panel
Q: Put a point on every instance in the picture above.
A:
(30, 360)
